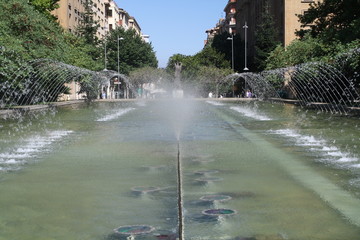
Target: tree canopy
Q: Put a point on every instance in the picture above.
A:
(45, 7)
(332, 20)
(133, 51)
(88, 26)
(265, 38)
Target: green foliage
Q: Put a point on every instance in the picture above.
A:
(133, 51)
(45, 7)
(202, 73)
(332, 20)
(81, 54)
(209, 56)
(158, 76)
(308, 49)
(348, 60)
(190, 67)
(212, 79)
(26, 35)
(89, 85)
(88, 26)
(265, 38)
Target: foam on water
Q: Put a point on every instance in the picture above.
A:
(321, 148)
(356, 165)
(115, 115)
(12, 159)
(13, 155)
(251, 113)
(215, 103)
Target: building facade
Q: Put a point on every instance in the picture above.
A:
(248, 12)
(106, 13)
(69, 14)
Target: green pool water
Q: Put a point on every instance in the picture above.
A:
(80, 172)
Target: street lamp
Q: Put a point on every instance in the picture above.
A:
(246, 27)
(232, 56)
(232, 50)
(118, 54)
(105, 52)
(105, 56)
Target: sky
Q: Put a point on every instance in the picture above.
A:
(175, 26)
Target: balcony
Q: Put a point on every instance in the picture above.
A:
(231, 4)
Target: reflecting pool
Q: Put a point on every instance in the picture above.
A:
(246, 170)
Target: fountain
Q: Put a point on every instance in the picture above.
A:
(280, 171)
(44, 81)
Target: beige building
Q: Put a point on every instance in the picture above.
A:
(106, 13)
(69, 14)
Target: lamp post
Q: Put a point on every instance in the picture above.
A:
(232, 50)
(105, 52)
(118, 54)
(232, 58)
(246, 27)
(105, 61)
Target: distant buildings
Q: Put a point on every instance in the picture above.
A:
(106, 13)
(239, 12)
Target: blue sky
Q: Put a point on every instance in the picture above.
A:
(176, 26)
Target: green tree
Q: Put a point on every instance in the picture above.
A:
(209, 56)
(88, 25)
(27, 35)
(133, 51)
(332, 20)
(308, 49)
(212, 79)
(158, 76)
(265, 38)
(190, 67)
(45, 7)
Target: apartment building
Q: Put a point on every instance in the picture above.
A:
(69, 14)
(284, 12)
(106, 13)
(218, 29)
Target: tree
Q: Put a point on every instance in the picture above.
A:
(265, 38)
(133, 51)
(45, 7)
(212, 79)
(27, 35)
(308, 49)
(209, 56)
(88, 26)
(332, 20)
(157, 76)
